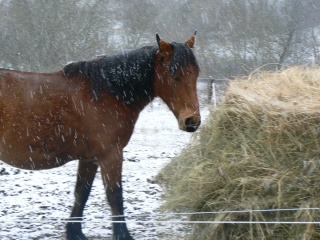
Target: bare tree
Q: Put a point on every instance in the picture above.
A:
(235, 36)
(42, 35)
(244, 35)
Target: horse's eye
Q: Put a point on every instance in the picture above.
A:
(177, 78)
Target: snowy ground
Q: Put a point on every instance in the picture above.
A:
(34, 204)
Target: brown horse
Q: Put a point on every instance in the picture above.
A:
(87, 111)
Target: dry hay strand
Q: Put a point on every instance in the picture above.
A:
(258, 150)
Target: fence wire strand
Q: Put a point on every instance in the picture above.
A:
(169, 215)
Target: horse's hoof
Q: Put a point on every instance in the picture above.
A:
(74, 232)
(76, 237)
(126, 237)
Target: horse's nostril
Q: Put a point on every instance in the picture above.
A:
(189, 122)
(191, 125)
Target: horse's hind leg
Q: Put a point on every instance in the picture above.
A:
(85, 177)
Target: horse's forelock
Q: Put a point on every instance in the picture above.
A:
(181, 58)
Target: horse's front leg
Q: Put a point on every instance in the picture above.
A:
(86, 173)
(111, 174)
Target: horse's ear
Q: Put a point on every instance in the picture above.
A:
(165, 48)
(191, 41)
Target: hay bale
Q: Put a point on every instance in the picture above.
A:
(260, 149)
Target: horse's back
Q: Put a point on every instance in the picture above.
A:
(15, 77)
(21, 91)
(16, 83)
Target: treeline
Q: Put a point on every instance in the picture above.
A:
(235, 36)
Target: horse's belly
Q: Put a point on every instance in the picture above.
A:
(41, 151)
(33, 162)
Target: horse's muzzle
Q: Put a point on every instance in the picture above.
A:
(190, 124)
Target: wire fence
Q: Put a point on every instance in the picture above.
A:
(214, 89)
(148, 218)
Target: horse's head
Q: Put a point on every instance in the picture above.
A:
(177, 71)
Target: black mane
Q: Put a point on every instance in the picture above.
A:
(128, 76)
